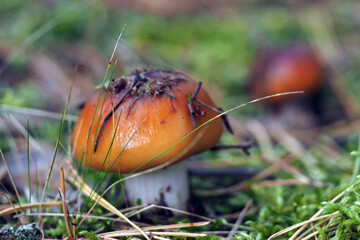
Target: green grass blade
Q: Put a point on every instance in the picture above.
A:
(11, 179)
(12, 196)
(101, 174)
(98, 122)
(28, 157)
(97, 104)
(357, 164)
(57, 144)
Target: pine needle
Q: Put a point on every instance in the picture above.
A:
(162, 227)
(17, 207)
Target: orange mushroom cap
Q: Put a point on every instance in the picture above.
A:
(289, 69)
(158, 105)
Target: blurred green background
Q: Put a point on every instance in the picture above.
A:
(45, 44)
(212, 42)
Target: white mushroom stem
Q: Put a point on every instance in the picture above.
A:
(169, 186)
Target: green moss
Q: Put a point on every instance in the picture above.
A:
(24, 95)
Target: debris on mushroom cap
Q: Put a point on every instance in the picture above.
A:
(156, 102)
(294, 68)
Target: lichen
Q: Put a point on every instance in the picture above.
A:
(24, 232)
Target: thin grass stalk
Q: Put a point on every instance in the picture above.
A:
(98, 121)
(28, 157)
(11, 180)
(114, 163)
(101, 110)
(37, 180)
(57, 143)
(131, 175)
(149, 170)
(97, 103)
(9, 200)
(357, 164)
(10, 195)
(23, 131)
(212, 119)
(100, 179)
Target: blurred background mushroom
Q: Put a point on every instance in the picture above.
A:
(287, 69)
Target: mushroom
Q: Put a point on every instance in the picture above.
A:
(154, 110)
(287, 69)
(294, 68)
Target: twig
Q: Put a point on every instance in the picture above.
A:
(63, 198)
(244, 147)
(240, 219)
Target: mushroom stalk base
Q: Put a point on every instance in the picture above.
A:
(168, 186)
